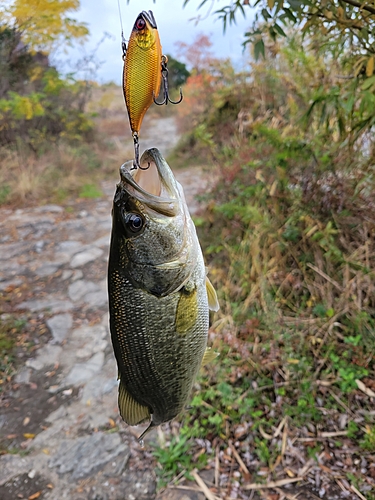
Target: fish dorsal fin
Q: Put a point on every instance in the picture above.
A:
(213, 303)
(208, 356)
(132, 413)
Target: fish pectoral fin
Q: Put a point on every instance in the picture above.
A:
(209, 356)
(213, 303)
(187, 311)
(132, 412)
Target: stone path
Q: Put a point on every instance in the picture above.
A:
(60, 416)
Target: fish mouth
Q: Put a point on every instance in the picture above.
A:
(153, 184)
(149, 17)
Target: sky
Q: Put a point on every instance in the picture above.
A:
(174, 24)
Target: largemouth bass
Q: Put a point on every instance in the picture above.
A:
(142, 69)
(159, 295)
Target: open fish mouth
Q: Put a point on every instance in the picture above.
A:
(153, 183)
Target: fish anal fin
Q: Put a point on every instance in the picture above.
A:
(209, 356)
(213, 303)
(132, 412)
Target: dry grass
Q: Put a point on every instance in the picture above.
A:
(64, 169)
(290, 398)
(289, 237)
(54, 175)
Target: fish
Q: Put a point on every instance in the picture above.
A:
(142, 69)
(159, 294)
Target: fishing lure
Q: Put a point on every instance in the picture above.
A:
(144, 69)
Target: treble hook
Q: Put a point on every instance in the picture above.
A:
(164, 74)
(136, 163)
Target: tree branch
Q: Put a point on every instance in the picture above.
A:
(358, 4)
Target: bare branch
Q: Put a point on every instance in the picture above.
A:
(360, 5)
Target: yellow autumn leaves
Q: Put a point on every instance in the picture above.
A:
(43, 22)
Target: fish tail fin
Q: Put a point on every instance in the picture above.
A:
(132, 412)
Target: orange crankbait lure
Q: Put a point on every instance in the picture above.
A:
(144, 68)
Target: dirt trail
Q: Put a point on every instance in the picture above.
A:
(59, 415)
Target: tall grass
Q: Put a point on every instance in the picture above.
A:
(288, 233)
(61, 167)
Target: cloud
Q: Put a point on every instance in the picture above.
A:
(174, 24)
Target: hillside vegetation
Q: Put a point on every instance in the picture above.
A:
(289, 236)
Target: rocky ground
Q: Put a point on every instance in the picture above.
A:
(61, 436)
(59, 421)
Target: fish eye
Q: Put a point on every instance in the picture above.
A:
(134, 222)
(140, 23)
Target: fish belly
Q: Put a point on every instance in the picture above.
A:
(157, 363)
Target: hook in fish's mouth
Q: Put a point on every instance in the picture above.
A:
(152, 183)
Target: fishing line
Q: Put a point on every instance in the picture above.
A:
(123, 42)
(119, 11)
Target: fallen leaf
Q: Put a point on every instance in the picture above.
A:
(273, 188)
(361, 386)
(290, 473)
(36, 495)
(275, 496)
(293, 361)
(29, 435)
(26, 420)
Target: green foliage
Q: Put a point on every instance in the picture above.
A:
(339, 34)
(347, 372)
(43, 23)
(177, 72)
(10, 327)
(344, 23)
(90, 191)
(368, 442)
(173, 458)
(4, 193)
(288, 232)
(36, 103)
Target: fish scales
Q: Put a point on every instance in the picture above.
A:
(158, 294)
(159, 366)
